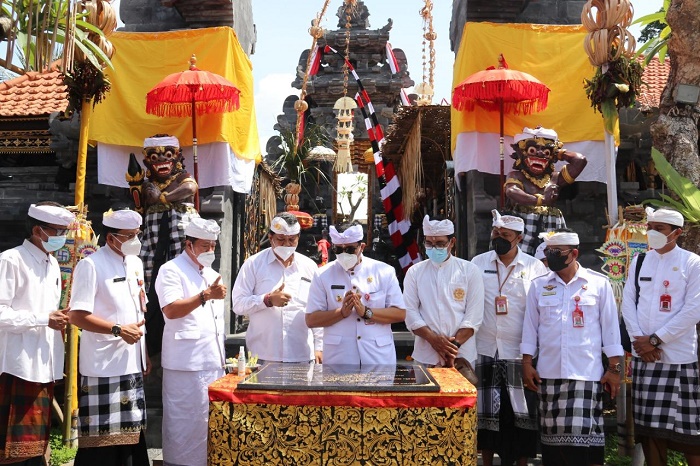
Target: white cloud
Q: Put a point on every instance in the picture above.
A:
(271, 91)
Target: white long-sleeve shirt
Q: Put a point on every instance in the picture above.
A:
(503, 332)
(277, 333)
(676, 328)
(445, 298)
(194, 342)
(108, 286)
(30, 289)
(565, 351)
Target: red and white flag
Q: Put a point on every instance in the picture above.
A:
(405, 101)
(315, 63)
(391, 59)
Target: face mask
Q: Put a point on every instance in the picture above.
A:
(656, 240)
(53, 243)
(557, 263)
(347, 260)
(284, 252)
(501, 245)
(438, 256)
(205, 259)
(131, 247)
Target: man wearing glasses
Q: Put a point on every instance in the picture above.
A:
(108, 302)
(507, 412)
(571, 319)
(193, 356)
(272, 289)
(444, 299)
(355, 299)
(30, 335)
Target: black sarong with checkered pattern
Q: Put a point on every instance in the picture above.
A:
(534, 225)
(666, 400)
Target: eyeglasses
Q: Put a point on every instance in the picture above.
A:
(556, 252)
(59, 232)
(436, 245)
(131, 236)
(345, 249)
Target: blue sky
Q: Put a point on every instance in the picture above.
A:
(282, 35)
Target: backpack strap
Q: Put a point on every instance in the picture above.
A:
(640, 259)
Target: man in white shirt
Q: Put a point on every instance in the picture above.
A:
(444, 299)
(193, 356)
(108, 302)
(660, 316)
(355, 299)
(30, 335)
(271, 289)
(571, 319)
(507, 413)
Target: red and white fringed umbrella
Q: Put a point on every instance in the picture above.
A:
(504, 90)
(190, 93)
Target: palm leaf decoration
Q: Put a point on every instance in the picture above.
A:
(688, 202)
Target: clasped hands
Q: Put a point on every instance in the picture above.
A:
(645, 350)
(352, 301)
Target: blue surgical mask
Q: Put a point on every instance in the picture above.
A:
(53, 243)
(437, 255)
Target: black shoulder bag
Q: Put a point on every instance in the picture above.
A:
(624, 336)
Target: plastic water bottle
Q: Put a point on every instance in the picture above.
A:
(241, 362)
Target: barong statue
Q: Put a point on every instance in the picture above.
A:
(532, 188)
(165, 196)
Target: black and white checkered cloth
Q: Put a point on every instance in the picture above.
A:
(538, 223)
(111, 410)
(571, 413)
(176, 236)
(666, 400)
(321, 221)
(493, 373)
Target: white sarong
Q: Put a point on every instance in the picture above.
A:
(186, 416)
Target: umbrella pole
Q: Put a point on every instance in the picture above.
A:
(194, 154)
(501, 144)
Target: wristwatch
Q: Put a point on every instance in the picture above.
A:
(615, 368)
(368, 314)
(116, 330)
(654, 340)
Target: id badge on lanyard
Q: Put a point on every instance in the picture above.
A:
(501, 305)
(665, 300)
(577, 315)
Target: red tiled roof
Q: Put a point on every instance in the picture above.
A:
(655, 77)
(33, 94)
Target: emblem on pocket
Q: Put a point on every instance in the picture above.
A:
(458, 294)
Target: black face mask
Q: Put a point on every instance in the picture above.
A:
(557, 263)
(501, 246)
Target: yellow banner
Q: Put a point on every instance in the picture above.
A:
(142, 60)
(551, 53)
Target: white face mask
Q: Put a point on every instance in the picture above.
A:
(205, 259)
(284, 252)
(347, 260)
(131, 247)
(656, 240)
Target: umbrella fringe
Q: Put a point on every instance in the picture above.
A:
(518, 97)
(184, 109)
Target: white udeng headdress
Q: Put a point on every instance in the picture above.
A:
(51, 214)
(553, 238)
(203, 229)
(122, 219)
(281, 227)
(354, 234)
(672, 217)
(507, 221)
(530, 133)
(437, 227)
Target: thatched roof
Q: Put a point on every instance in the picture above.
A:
(435, 132)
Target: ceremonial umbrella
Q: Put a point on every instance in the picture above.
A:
(306, 221)
(504, 90)
(190, 93)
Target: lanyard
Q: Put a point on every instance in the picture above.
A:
(498, 276)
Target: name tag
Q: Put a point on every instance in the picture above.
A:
(644, 279)
(337, 287)
(490, 271)
(549, 293)
(119, 279)
(306, 279)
